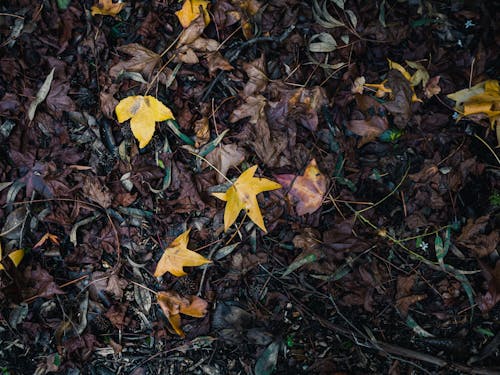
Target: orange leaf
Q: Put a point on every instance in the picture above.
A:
(243, 195)
(177, 256)
(143, 112)
(47, 236)
(308, 189)
(107, 8)
(172, 304)
(191, 10)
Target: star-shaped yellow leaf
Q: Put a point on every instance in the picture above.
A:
(107, 8)
(16, 256)
(191, 10)
(243, 195)
(143, 112)
(177, 256)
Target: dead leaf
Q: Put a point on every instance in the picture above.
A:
(47, 236)
(143, 112)
(225, 157)
(492, 296)
(97, 192)
(432, 87)
(15, 256)
(192, 32)
(191, 9)
(107, 8)
(243, 195)
(308, 190)
(215, 62)
(41, 94)
(177, 256)
(304, 106)
(474, 238)
(368, 130)
(402, 92)
(143, 61)
(257, 78)
(172, 305)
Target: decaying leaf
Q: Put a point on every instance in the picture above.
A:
(143, 61)
(243, 195)
(107, 8)
(177, 256)
(41, 94)
(15, 256)
(369, 130)
(172, 305)
(47, 236)
(191, 10)
(481, 99)
(143, 112)
(307, 190)
(225, 157)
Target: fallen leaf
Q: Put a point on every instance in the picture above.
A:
(432, 87)
(243, 195)
(308, 190)
(483, 98)
(226, 157)
(177, 256)
(97, 192)
(257, 78)
(192, 32)
(15, 256)
(143, 61)
(107, 8)
(492, 296)
(368, 130)
(172, 305)
(144, 112)
(191, 10)
(41, 94)
(47, 236)
(474, 238)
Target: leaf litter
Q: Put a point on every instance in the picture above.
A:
(380, 123)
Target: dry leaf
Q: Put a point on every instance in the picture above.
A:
(432, 87)
(15, 256)
(47, 236)
(225, 157)
(483, 98)
(308, 190)
(143, 112)
(368, 130)
(191, 10)
(243, 195)
(107, 8)
(192, 32)
(177, 256)
(143, 61)
(257, 78)
(172, 304)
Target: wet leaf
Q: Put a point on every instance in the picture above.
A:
(191, 10)
(143, 61)
(322, 42)
(307, 190)
(368, 130)
(41, 94)
(268, 360)
(225, 157)
(143, 112)
(242, 195)
(107, 8)
(177, 256)
(172, 304)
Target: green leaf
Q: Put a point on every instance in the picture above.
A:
(63, 4)
(297, 263)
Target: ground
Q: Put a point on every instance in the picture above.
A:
(379, 253)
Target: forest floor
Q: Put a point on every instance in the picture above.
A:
(378, 254)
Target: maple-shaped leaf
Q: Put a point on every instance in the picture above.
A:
(243, 195)
(172, 305)
(177, 256)
(191, 10)
(143, 112)
(15, 256)
(107, 8)
(142, 61)
(483, 98)
(308, 190)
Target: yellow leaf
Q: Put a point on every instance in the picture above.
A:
(243, 195)
(398, 67)
(16, 256)
(107, 8)
(144, 112)
(172, 304)
(191, 10)
(177, 256)
(483, 98)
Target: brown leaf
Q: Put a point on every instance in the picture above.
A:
(172, 304)
(142, 61)
(58, 100)
(257, 78)
(116, 315)
(215, 62)
(308, 190)
(369, 130)
(100, 194)
(304, 105)
(400, 106)
(474, 238)
(492, 296)
(192, 32)
(432, 87)
(225, 157)
(404, 303)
